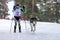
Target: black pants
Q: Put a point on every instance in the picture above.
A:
(17, 17)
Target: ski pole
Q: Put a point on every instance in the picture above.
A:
(11, 25)
(24, 11)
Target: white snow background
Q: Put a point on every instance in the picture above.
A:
(44, 31)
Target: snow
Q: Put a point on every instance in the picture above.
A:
(44, 31)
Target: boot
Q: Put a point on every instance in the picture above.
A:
(19, 27)
(14, 29)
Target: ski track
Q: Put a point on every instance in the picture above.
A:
(44, 31)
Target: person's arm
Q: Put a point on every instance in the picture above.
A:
(14, 8)
(23, 9)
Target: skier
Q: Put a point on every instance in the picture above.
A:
(17, 15)
(33, 24)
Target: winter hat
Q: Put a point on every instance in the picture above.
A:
(17, 4)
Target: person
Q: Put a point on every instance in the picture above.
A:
(17, 16)
(33, 24)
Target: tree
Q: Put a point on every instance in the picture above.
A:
(28, 4)
(48, 9)
(3, 9)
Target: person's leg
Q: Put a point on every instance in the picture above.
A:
(15, 26)
(19, 23)
(15, 19)
(19, 26)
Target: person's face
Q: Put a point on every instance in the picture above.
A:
(17, 6)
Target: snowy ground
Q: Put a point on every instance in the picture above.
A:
(44, 31)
